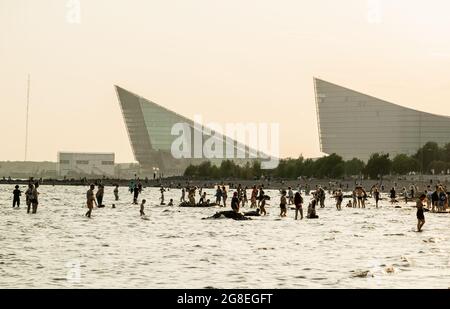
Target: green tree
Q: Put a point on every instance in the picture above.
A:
(404, 164)
(354, 167)
(378, 164)
(191, 171)
(438, 166)
(428, 153)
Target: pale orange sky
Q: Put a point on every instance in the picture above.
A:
(230, 60)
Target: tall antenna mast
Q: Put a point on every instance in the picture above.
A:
(26, 127)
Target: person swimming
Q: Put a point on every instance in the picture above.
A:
(170, 202)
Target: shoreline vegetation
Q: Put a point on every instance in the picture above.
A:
(429, 166)
(269, 183)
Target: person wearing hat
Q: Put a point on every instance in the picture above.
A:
(16, 197)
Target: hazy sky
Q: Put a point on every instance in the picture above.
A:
(230, 60)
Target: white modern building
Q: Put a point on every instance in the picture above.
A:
(356, 125)
(150, 127)
(85, 164)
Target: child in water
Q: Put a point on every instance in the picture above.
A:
(170, 202)
(142, 207)
(16, 199)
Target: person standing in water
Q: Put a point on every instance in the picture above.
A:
(142, 207)
(162, 195)
(420, 215)
(16, 196)
(405, 195)
(29, 196)
(283, 202)
(261, 196)
(298, 201)
(224, 196)
(35, 198)
(183, 195)
(393, 195)
(244, 196)
(339, 198)
(116, 193)
(235, 202)
(290, 196)
(253, 197)
(90, 197)
(262, 206)
(218, 195)
(135, 195)
(376, 195)
(99, 195)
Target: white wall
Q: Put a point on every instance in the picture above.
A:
(100, 164)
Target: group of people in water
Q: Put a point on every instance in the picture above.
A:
(432, 199)
(31, 197)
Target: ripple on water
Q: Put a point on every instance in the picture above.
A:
(175, 248)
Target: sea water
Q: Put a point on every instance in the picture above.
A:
(354, 248)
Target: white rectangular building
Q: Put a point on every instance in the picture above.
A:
(85, 164)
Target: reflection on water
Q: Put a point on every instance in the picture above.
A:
(354, 248)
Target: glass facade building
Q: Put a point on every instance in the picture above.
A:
(149, 128)
(355, 125)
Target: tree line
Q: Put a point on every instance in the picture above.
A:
(429, 159)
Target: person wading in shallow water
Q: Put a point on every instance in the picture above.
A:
(224, 196)
(218, 195)
(35, 198)
(253, 197)
(376, 196)
(235, 202)
(339, 196)
(298, 201)
(99, 194)
(142, 208)
(420, 215)
(90, 197)
(135, 195)
(16, 197)
(283, 202)
(28, 196)
(116, 193)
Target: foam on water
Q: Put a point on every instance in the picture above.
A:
(353, 248)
